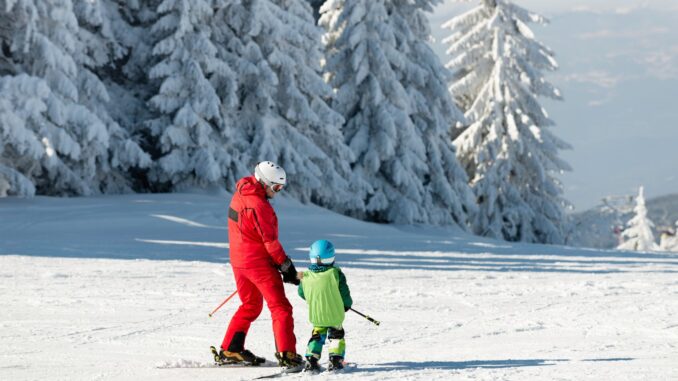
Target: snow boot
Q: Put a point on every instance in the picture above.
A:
(291, 361)
(336, 363)
(311, 364)
(244, 357)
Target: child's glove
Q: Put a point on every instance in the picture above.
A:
(346, 308)
(289, 272)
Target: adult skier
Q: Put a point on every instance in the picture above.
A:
(258, 259)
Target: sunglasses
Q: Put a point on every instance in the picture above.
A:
(277, 187)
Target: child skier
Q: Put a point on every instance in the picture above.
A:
(324, 288)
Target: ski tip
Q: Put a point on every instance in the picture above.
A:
(297, 369)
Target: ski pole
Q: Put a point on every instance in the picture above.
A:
(366, 317)
(224, 302)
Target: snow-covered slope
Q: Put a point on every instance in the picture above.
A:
(452, 306)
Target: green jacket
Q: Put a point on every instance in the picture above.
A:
(326, 291)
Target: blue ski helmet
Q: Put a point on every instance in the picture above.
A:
(321, 253)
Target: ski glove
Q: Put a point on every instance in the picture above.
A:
(289, 272)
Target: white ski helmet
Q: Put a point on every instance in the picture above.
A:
(271, 174)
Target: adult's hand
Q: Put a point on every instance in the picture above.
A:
(289, 272)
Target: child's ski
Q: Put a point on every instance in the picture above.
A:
(348, 367)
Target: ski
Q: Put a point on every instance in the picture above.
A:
(281, 373)
(272, 375)
(183, 364)
(348, 367)
(197, 364)
(315, 372)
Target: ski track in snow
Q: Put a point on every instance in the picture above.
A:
(452, 306)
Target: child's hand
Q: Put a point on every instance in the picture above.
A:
(300, 275)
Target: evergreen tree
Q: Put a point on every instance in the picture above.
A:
(433, 113)
(188, 129)
(391, 91)
(80, 153)
(274, 47)
(127, 81)
(23, 104)
(508, 150)
(43, 44)
(638, 234)
(41, 41)
(101, 33)
(390, 157)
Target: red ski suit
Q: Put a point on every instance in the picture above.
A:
(256, 254)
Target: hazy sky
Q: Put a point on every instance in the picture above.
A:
(619, 76)
(550, 7)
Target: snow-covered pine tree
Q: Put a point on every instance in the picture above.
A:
(508, 150)
(23, 103)
(101, 31)
(361, 62)
(127, 81)
(7, 66)
(189, 131)
(386, 84)
(22, 100)
(275, 49)
(448, 196)
(42, 40)
(638, 234)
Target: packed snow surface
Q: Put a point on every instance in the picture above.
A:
(120, 287)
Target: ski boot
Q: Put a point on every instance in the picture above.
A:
(336, 363)
(312, 365)
(292, 362)
(244, 357)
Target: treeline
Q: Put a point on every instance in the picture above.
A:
(113, 96)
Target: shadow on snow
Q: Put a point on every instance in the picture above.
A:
(193, 228)
(489, 364)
